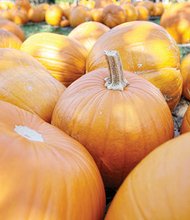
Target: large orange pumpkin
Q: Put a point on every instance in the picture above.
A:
(113, 15)
(9, 40)
(78, 15)
(64, 57)
(44, 173)
(27, 84)
(147, 50)
(117, 127)
(87, 33)
(159, 187)
(12, 27)
(185, 71)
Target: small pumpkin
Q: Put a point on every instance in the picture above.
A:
(158, 9)
(78, 15)
(64, 23)
(9, 40)
(142, 13)
(27, 84)
(19, 16)
(53, 15)
(22, 4)
(44, 173)
(130, 12)
(147, 50)
(185, 126)
(119, 118)
(185, 71)
(113, 15)
(97, 14)
(64, 57)
(102, 3)
(36, 14)
(151, 191)
(87, 33)
(12, 27)
(6, 14)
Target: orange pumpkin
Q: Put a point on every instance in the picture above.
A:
(27, 84)
(6, 14)
(64, 57)
(19, 16)
(53, 15)
(9, 40)
(176, 20)
(44, 173)
(97, 14)
(87, 33)
(147, 50)
(36, 14)
(113, 15)
(12, 27)
(142, 13)
(185, 71)
(79, 15)
(185, 127)
(158, 9)
(159, 187)
(64, 23)
(111, 120)
(22, 4)
(102, 3)
(130, 12)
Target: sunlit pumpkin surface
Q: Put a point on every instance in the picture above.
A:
(159, 187)
(9, 40)
(118, 128)
(176, 20)
(27, 84)
(145, 49)
(64, 57)
(44, 173)
(88, 33)
(12, 27)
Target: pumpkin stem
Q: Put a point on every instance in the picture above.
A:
(116, 81)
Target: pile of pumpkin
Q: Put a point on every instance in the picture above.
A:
(108, 12)
(91, 111)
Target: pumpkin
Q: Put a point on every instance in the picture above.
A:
(64, 57)
(130, 12)
(22, 4)
(87, 33)
(147, 4)
(112, 121)
(158, 9)
(78, 15)
(185, 126)
(97, 14)
(147, 50)
(142, 13)
(53, 15)
(36, 14)
(64, 22)
(6, 14)
(185, 71)
(113, 15)
(19, 16)
(12, 27)
(26, 83)
(44, 173)
(176, 20)
(9, 40)
(102, 3)
(158, 187)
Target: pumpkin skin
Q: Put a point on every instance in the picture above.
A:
(142, 13)
(12, 27)
(185, 72)
(177, 22)
(27, 84)
(151, 191)
(185, 126)
(113, 15)
(53, 15)
(9, 40)
(36, 14)
(97, 14)
(87, 33)
(64, 57)
(46, 174)
(145, 49)
(79, 15)
(130, 12)
(110, 123)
